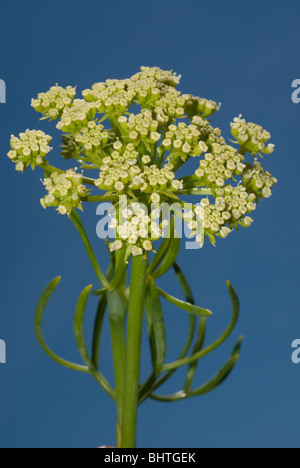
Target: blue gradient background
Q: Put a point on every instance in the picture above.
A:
(244, 54)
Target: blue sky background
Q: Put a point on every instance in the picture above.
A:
(243, 54)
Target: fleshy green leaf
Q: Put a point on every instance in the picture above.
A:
(198, 346)
(75, 218)
(215, 382)
(192, 328)
(81, 344)
(117, 305)
(238, 346)
(190, 308)
(99, 292)
(156, 326)
(97, 329)
(218, 342)
(169, 259)
(235, 301)
(120, 269)
(117, 308)
(167, 255)
(160, 255)
(163, 250)
(221, 376)
(184, 284)
(39, 313)
(169, 194)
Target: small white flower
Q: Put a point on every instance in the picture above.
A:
(155, 198)
(147, 245)
(115, 246)
(62, 210)
(20, 167)
(137, 251)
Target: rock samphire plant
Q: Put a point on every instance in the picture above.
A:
(136, 135)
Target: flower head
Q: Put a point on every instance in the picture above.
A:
(121, 172)
(231, 208)
(77, 116)
(136, 230)
(137, 134)
(65, 191)
(29, 149)
(52, 103)
(251, 137)
(258, 181)
(223, 163)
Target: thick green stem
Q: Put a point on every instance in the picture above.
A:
(195, 191)
(117, 316)
(242, 150)
(46, 167)
(101, 198)
(133, 351)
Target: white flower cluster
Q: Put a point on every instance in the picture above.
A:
(169, 107)
(77, 116)
(166, 77)
(118, 174)
(140, 127)
(251, 137)
(52, 103)
(231, 209)
(144, 88)
(65, 191)
(92, 137)
(136, 229)
(147, 91)
(151, 88)
(184, 140)
(174, 105)
(141, 152)
(195, 106)
(258, 181)
(112, 97)
(222, 164)
(160, 180)
(208, 133)
(29, 149)
(121, 172)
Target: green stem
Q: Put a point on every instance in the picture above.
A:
(50, 169)
(89, 181)
(101, 198)
(133, 352)
(195, 191)
(179, 163)
(117, 317)
(242, 150)
(115, 126)
(75, 218)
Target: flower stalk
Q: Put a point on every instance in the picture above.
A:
(133, 350)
